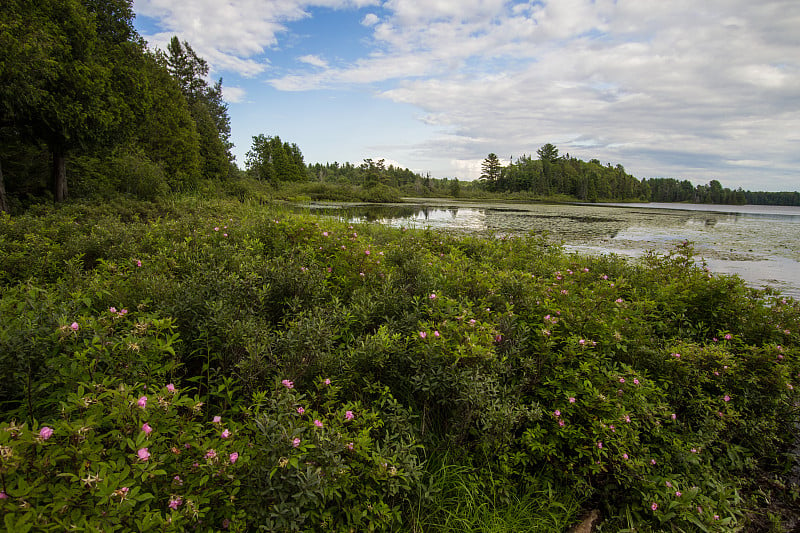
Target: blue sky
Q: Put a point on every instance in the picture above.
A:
(682, 89)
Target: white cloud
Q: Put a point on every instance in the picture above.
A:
(370, 19)
(233, 95)
(313, 60)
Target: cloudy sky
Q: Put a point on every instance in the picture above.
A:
(698, 90)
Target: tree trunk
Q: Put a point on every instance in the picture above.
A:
(3, 201)
(59, 174)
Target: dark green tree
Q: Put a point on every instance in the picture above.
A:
(207, 107)
(490, 169)
(58, 83)
(548, 153)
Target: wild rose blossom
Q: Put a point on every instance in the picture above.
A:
(143, 454)
(348, 415)
(233, 457)
(174, 503)
(288, 384)
(74, 326)
(296, 442)
(318, 423)
(170, 387)
(142, 402)
(147, 429)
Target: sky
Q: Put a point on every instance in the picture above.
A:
(696, 90)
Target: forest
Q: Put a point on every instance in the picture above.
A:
(181, 352)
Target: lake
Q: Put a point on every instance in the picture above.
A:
(759, 243)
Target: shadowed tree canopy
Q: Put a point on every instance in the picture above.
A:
(62, 67)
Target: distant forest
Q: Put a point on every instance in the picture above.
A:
(550, 174)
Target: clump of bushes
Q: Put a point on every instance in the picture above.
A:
(364, 375)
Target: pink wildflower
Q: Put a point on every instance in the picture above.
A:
(622, 380)
(318, 423)
(727, 398)
(654, 506)
(625, 456)
(422, 334)
(571, 400)
(556, 413)
(348, 415)
(327, 381)
(600, 445)
(300, 410)
(175, 502)
(142, 402)
(45, 433)
(350, 446)
(74, 326)
(288, 384)
(217, 419)
(296, 442)
(233, 457)
(147, 429)
(432, 296)
(3, 495)
(436, 334)
(211, 454)
(678, 493)
(225, 434)
(728, 336)
(170, 387)
(143, 454)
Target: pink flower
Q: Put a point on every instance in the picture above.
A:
(635, 381)
(112, 309)
(225, 434)
(727, 398)
(560, 422)
(619, 300)
(652, 461)
(622, 380)
(300, 410)
(288, 384)
(654, 506)
(432, 296)
(45, 433)
(211, 454)
(170, 387)
(177, 480)
(146, 428)
(600, 445)
(572, 400)
(217, 419)
(673, 416)
(318, 423)
(348, 415)
(628, 419)
(436, 334)
(422, 334)
(557, 413)
(74, 326)
(367, 252)
(728, 336)
(143, 454)
(3, 495)
(296, 442)
(142, 402)
(233, 457)
(676, 355)
(350, 446)
(677, 493)
(138, 263)
(174, 503)
(327, 381)
(625, 456)
(668, 484)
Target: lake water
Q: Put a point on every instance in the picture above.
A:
(759, 243)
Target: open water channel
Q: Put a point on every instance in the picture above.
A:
(759, 243)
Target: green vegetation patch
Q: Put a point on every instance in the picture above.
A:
(205, 364)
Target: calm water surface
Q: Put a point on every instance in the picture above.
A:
(759, 243)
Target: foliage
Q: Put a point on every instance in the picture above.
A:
(487, 372)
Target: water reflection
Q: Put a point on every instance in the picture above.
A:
(760, 245)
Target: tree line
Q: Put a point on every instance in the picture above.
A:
(552, 175)
(79, 85)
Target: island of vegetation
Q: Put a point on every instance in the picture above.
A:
(180, 353)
